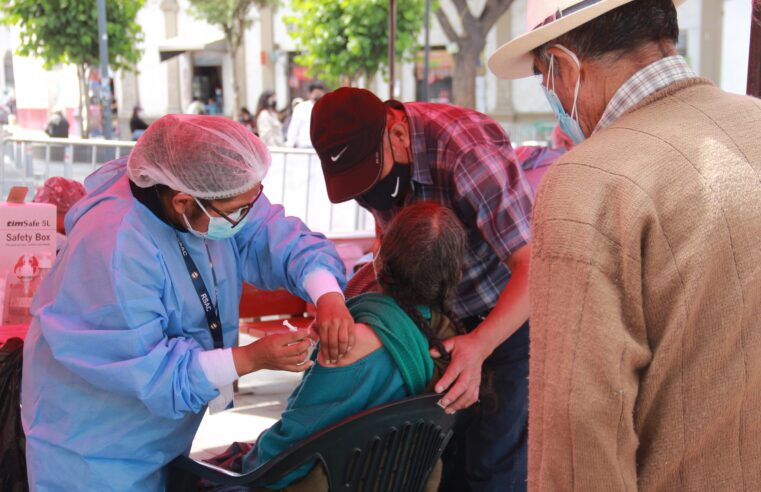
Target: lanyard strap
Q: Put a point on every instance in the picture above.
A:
(211, 311)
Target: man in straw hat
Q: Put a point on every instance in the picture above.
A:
(645, 272)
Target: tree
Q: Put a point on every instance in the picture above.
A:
(231, 16)
(470, 44)
(342, 40)
(66, 31)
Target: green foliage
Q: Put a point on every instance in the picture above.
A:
(66, 31)
(229, 15)
(343, 39)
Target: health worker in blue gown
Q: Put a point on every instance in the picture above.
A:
(135, 326)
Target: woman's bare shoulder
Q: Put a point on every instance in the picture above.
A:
(365, 343)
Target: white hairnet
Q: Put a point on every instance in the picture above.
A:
(210, 157)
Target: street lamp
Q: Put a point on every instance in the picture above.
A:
(105, 84)
(391, 45)
(427, 50)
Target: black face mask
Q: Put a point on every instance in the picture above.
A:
(391, 189)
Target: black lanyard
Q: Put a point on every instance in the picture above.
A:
(211, 311)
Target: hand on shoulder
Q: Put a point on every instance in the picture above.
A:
(366, 342)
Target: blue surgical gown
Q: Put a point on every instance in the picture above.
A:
(112, 385)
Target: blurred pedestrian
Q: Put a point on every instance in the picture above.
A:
(288, 113)
(213, 107)
(247, 120)
(57, 125)
(136, 124)
(298, 130)
(195, 107)
(267, 121)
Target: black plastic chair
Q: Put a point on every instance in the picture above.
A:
(392, 447)
(12, 440)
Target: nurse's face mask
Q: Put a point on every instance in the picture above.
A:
(226, 225)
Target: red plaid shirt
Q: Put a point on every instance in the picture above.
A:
(463, 159)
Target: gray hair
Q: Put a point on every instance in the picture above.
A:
(622, 30)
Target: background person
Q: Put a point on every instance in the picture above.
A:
(137, 125)
(299, 125)
(247, 120)
(645, 279)
(213, 107)
(268, 124)
(195, 107)
(57, 125)
(288, 112)
(134, 327)
(390, 155)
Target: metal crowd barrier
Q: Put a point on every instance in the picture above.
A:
(294, 180)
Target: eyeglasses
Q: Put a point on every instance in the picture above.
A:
(241, 212)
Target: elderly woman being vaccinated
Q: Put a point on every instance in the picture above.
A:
(135, 326)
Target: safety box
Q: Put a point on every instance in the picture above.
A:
(27, 251)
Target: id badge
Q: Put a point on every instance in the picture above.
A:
(223, 401)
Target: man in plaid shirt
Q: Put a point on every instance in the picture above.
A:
(389, 155)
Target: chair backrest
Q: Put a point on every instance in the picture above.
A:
(12, 440)
(392, 447)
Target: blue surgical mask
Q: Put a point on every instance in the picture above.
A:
(568, 123)
(219, 228)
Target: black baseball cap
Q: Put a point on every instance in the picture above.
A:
(347, 132)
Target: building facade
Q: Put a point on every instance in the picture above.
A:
(185, 58)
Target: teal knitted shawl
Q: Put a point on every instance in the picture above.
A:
(400, 336)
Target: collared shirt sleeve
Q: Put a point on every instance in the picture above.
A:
(280, 252)
(490, 187)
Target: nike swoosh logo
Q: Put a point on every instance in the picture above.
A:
(334, 158)
(396, 190)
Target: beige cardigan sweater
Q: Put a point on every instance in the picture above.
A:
(646, 302)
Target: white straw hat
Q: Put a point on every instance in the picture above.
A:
(548, 20)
